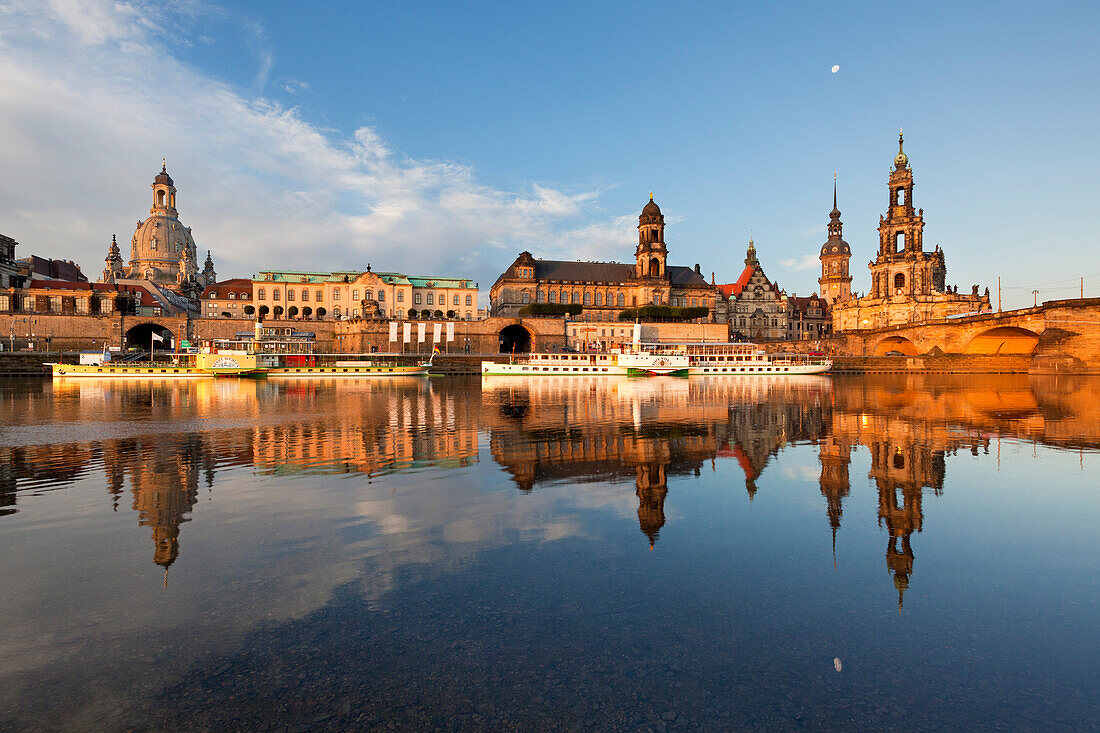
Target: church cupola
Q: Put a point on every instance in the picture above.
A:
(164, 192)
(651, 254)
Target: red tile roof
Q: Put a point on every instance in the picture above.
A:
(734, 288)
(235, 285)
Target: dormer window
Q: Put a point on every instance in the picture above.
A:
(232, 296)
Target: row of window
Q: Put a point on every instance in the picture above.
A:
(598, 299)
(318, 296)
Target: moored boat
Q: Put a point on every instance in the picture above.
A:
(664, 359)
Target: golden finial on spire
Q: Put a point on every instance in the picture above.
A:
(164, 164)
(650, 195)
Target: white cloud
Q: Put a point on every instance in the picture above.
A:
(93, 98)
(805, 262)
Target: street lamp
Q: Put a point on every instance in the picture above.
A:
(1035, 297)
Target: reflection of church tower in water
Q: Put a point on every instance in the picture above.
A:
(164, 482)
(835, 486)
(901, 473)
(651, 487)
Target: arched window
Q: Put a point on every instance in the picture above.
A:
(599, 298)
(899, 197)
(552, 296)
(576, 298)
(368, 295)
(621, 301)
(899, 281)
(232, 296)
(655, 265)
(588, 298)
(899, 242)
(336, 312)
(160, 198)
(540, 296)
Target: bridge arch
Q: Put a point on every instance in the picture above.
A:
(515, 339)
(1003, 340)
(141, 336)
(898, 344)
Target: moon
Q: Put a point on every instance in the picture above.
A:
(836, 68)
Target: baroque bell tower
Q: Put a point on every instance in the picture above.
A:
(651, 254)
(836, 281)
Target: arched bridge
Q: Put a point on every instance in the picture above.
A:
(1060, 331)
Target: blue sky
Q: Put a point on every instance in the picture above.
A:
(443, 139)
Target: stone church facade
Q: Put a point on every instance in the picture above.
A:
(604, 289)
(908, 284)
(162, 250)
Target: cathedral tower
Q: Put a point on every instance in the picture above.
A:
(651, 254)
(835, 281)
(903, 268)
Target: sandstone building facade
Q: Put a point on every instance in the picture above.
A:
(350, 294)
(907, 283)
(757, 307)
(604, 289)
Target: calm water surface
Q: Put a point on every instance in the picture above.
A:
(737, 553)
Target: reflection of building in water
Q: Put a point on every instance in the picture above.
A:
(387, 428)
(545, 430)
(651, 487)
(164, 473)
(835, 455)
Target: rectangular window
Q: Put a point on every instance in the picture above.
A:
(336, 295)
(431, 298)
(469, 300)
(381, 296)
(290, 295)
(416, 298)
(456, 299)
(355, 295)
(400, 296)
(261, 294)
(275, 294)
(305, 296)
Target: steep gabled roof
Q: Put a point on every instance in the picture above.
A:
(730, 289)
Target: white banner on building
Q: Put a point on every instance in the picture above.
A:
(450, 331)
(407, 332)
(420, 333)
(393, 331)
(637, 332)
(437, 332)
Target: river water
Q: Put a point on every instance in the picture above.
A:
(909, 553)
